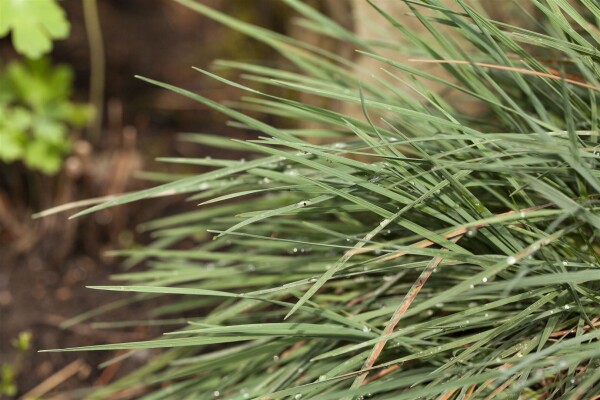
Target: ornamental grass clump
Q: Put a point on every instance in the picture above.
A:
(397, 244)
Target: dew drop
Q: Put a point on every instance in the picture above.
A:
(511, 260)
(471, 231)
(313, 279)
(384, 222)
(203, 186)
(471, 286)
(276, 358)
(366, 329)
(298, 396)
(322, 377)
(567, 307)
(484, 279)
(216, 393)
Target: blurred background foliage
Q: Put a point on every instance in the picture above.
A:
(35, 108)
(36, 114)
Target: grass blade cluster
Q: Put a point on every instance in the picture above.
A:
(403, 249)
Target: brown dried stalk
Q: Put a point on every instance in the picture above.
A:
(457, 232)
(398, 314)
(523, 71)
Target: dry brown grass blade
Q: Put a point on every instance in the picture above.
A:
(54, 380)
(564, 332)
(382, 373)
(469, 392)
(523, 71)
(452, 234)
(500, 388)
(109, 372)
(448, 394)
(398, 314)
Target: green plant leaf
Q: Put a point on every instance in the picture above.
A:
(7, 381)
(34, 25)
(43, 156)
(12, 144)
(36, 114)
(49, 131)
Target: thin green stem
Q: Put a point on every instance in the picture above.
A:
(97, 67)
